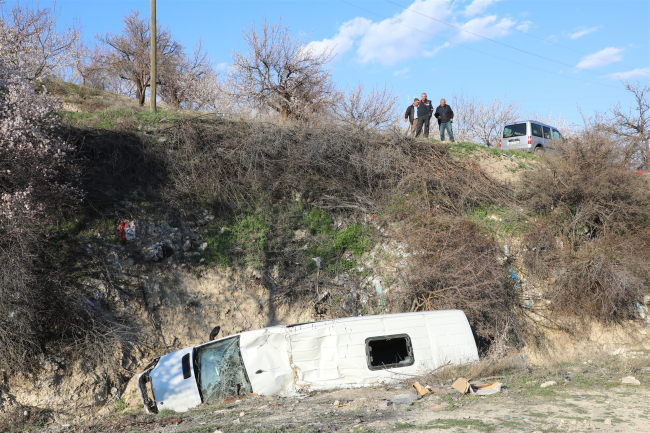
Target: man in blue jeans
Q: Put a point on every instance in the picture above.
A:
(445, 116)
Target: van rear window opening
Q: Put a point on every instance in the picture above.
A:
(390, 351)
(517, 130)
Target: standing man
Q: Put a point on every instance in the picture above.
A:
(427, 121)
(424, 114)
(412, 115)
(445, 116)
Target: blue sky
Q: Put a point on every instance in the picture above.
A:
(575, 50)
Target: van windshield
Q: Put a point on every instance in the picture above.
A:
(514, 130)
(221, 371)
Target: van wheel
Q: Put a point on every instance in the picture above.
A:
(539, 150)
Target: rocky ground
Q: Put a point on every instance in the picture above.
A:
(581, 396)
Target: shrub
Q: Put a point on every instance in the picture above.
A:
(593, 230)
(454, 265)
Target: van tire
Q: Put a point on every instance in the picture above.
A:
(539, 150)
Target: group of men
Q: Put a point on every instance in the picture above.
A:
(419, 116)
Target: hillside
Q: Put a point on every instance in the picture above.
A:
(246, 225)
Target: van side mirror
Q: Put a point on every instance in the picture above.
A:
(214, 332)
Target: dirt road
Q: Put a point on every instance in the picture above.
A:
(588, 396)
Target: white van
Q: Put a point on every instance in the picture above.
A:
(340, 353)
(529, 136)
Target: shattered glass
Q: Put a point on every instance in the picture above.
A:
(221, 371)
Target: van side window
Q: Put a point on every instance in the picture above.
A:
(547, 132)
(556, 135)
(537, 130)
(389, 351)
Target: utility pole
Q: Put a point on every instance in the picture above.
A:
(152, 72)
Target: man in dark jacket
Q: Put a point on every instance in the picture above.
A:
(424, 114)
(445, 116)
(427, 121)
(412, 115)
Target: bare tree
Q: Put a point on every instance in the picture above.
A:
(31, 41)
(128, 53)
(281, 73)
(374, 110)
(180, 84)
(483, 122)
(633, 126)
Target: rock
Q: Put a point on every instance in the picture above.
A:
(631, 380)
(203, 246)
(404, 399)
(547, 384)
(241, 414)
(336, 403)
(608, 421)
(187, 245)
(237, 421)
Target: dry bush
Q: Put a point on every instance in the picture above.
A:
(340, 167)
(454, 265)
(595, 216)
(604, 279)
(586, 192)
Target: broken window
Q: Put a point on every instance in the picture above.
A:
(389, 351)
(221, 371)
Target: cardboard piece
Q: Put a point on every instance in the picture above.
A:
(421, 389)
(461, 385)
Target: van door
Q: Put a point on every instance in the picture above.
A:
(514, 136)
(537, 135)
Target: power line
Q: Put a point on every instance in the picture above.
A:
(495, 41)
(479, 51)
(554, 43)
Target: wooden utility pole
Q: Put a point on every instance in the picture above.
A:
(152, 72)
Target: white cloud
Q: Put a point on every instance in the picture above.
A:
(344, 39)
(487, 27)
(408, 33)
(402, 72)
(581, 31)
(601, 58)
(478, 6)
(393, 40)
(525, 26)
(635, 73)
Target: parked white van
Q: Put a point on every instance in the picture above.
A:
(529, 136)
(340, 353)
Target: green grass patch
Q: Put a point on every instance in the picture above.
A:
(501, 221)
(258, 235)
(466, 149)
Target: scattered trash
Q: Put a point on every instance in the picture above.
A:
(512, 417)
(631, 380)
(442, 406)
(547, 384)
(515, 277)
(608, 421)
(463, 386)
(129, 230)
(434, 390)
(488, 389)
(421, 389)
(404, 399)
